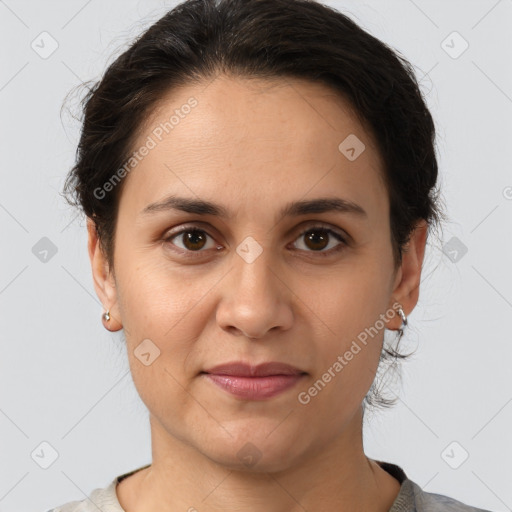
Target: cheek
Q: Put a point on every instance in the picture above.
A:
(155, 297)
(347, 314)
(162, 324)
(169, 307)
(351, 299)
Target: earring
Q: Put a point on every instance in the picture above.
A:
(404, 319)
(106, 315)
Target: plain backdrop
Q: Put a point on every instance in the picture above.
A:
(67, 400)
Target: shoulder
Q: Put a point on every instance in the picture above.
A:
(103, 499)
(432, 502)
(412, 498)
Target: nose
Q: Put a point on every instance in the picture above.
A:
(255, 298)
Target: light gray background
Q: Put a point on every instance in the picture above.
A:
(64, 380)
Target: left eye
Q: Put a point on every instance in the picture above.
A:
(315, 239)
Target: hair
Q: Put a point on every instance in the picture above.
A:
(262, 39)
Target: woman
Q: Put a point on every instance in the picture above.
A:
(259, 179)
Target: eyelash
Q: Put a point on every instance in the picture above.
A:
(324, 230)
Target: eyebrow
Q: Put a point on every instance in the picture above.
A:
(294, 208)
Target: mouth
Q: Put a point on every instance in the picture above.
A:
(250, 382)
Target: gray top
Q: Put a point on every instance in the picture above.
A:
(411, 497)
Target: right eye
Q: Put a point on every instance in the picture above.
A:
(192, 239)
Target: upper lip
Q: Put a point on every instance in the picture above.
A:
(242, 369)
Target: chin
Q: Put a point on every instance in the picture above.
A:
(260, 449)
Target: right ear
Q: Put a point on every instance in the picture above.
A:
(103, 278)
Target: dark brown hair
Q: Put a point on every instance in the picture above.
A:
(267, 39)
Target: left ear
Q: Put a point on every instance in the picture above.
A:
(406, 288)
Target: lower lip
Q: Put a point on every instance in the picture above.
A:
(255, 388)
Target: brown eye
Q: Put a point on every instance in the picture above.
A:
(192, 239)
(316, 239)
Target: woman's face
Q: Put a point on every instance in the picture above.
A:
(251, 286)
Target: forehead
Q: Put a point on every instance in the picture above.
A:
(245, 138)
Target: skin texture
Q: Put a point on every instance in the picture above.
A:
(253, 146)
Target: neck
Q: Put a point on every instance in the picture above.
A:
(338, 476)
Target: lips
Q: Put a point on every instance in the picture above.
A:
(241, 369)
(249, 382)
